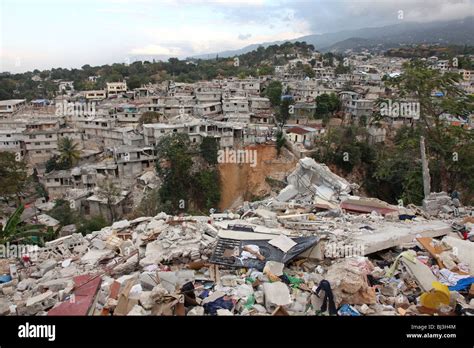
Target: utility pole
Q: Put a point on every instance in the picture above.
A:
(426, 170)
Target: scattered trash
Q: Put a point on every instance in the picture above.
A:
(315, 249)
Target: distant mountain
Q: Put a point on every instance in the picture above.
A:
(455, 32)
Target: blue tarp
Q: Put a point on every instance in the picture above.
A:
(5, 278)
(462, 284)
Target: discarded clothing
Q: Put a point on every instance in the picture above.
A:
(328, 297)
(220, 303)
(406, 217)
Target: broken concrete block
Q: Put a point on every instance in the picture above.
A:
(244, 290)
(446, 209)
(349, 282)
(274, 268)
(69, 272)
(287, 193)
(198, 310)
(148, 280)
(93, 257)
(389, 290)
(224, 312)
(26, 284)
(168, 280)
(54, 285)
(47, 266)
(283, 243)
(4, 306)
(161, 216)
(137, 310)
(266, 214)
(259, 297)
(463, 250)
(127, 267)
(276, 294)
(158, 293)
(230, 280)
(8, 290)
(156, 226)
(120, 225)
(146, 300)
(260, 309)
(40, 302)
(98, 244)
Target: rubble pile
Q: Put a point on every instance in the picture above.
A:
(313, 250)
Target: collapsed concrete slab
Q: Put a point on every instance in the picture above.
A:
(316, 179)
(389, 234)
(463, 249)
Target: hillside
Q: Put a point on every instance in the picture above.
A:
(455, 32)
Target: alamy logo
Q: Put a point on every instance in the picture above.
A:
(75, 109)
(237, 156)
(400, 109)
(13, 251)
(37, 331)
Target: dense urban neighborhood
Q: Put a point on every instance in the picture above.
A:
(242, 185)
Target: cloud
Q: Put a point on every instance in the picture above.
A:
(331, 16)
(155, 50)
(244, 36)
(188, 40)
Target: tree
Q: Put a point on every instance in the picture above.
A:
(63, 213)
(308, 70)
(174, 167)
(398, 169)
(55, 163)
(14, 231)
(110, 193)
(91, 224)
(150, 117)
(150, 204)
(208, 149)
(69, 153)
(418, 82)
(12, 175)
(207, 189)
(281, 141)
(341, 69)
(285, 111)
(326, 104)
(273, 92)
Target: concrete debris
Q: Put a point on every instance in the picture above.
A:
(348, 280)
(316, 180)
(267, 257)
(276, 294)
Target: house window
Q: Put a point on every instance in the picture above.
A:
(32, 136)
(37, 144)
(38, 151)
(8, 135)
(46, 142)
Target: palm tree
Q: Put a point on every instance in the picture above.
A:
(13, 232)
(69, 153)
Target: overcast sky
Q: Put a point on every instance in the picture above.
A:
(71, 33)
